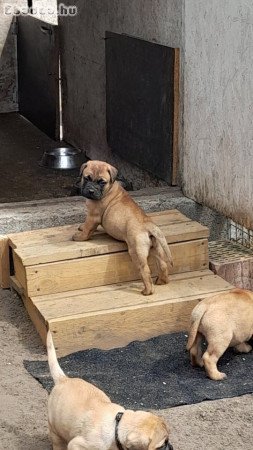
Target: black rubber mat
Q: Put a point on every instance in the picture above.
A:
(154, 374)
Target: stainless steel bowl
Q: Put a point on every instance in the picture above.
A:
(62, 158)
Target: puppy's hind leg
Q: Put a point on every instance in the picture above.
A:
(158, 253)
(196, 353)
(139, 255)
(211, 356)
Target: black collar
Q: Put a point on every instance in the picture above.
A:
(118, 418)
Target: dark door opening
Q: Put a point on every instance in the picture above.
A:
(38, 73)
(140, 103)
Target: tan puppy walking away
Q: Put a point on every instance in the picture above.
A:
(82, 417)
(225, 320)
(109, 205)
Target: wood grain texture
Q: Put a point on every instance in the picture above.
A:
(15, 284)
(19, 270)
(100, 244)
(126, 295)
(117, 327)
(97, 290)
(4, 262)
(107, 269)
(63, 233)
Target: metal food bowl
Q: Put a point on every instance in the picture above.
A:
(62, 158)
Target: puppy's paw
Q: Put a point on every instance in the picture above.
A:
(79, 237)
(148, 291)
(80, 228)
(243, 348)
(218, 376)
(162, 280)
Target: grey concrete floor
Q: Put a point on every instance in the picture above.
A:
(21, 178)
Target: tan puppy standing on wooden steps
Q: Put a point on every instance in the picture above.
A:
(82, 417)
(109, 205)
(225, 320)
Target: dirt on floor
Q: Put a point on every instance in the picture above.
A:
(215, 425)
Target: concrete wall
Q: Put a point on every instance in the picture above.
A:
(218, 106)
(83, 62)
(8, 60)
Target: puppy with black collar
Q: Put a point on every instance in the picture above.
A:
(82, 417)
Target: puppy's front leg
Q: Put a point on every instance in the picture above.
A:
(57, 442)
(78, 443)
(88, 229)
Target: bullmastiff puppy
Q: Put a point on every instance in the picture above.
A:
(109, 205)
(82, 417)
(225, 320)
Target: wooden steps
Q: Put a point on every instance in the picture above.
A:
(87, 293)
(114, 315)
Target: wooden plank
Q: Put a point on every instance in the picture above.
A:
(112, 287)
(112, 329)
(19, 271)
(37, 318)
(101, 244)
(107, 269)
(119, 328)
(127, 295)
(62, 233)
(14, 284)
(176, 117)
(4, 262)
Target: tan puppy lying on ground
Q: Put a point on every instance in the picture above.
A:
(225, 320)
(82, 417)
(109, 205)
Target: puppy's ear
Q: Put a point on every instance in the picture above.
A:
(113, 172)
(83, 166)
(134, 441)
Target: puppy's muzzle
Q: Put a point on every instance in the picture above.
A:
(92, 191)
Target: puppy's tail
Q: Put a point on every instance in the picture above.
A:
(197, 314)
(55, 370)
(158, 235)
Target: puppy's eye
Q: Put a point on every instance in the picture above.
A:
(88, 178)
(101, 182)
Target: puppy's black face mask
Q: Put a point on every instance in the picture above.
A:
(93, 189)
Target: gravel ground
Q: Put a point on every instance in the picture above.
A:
(215, 425)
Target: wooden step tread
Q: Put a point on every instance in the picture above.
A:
(112, 316)
(58, 234)
(55, 244)
(127, 295)
(110, 268)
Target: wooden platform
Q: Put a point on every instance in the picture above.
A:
(87, 293)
